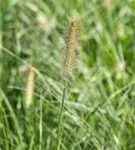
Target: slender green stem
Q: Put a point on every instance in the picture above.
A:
(40, 125)
(59, 136)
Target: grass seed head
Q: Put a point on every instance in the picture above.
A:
(29, 87)
(70, 47)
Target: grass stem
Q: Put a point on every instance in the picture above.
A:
(59, 136)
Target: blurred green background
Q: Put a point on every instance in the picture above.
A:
(99, 111)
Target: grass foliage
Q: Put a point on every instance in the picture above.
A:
(99, 111)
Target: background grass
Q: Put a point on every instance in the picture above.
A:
(99, 110)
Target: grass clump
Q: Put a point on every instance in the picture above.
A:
(99, 112)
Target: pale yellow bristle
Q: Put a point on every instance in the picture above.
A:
(29, 87)
(70, 50)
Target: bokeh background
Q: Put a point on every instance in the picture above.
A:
(99, 112)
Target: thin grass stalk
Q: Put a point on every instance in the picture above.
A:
(41, 125)
(60, 119)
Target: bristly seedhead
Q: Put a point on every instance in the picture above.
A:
(70, 47)
(29, 87)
